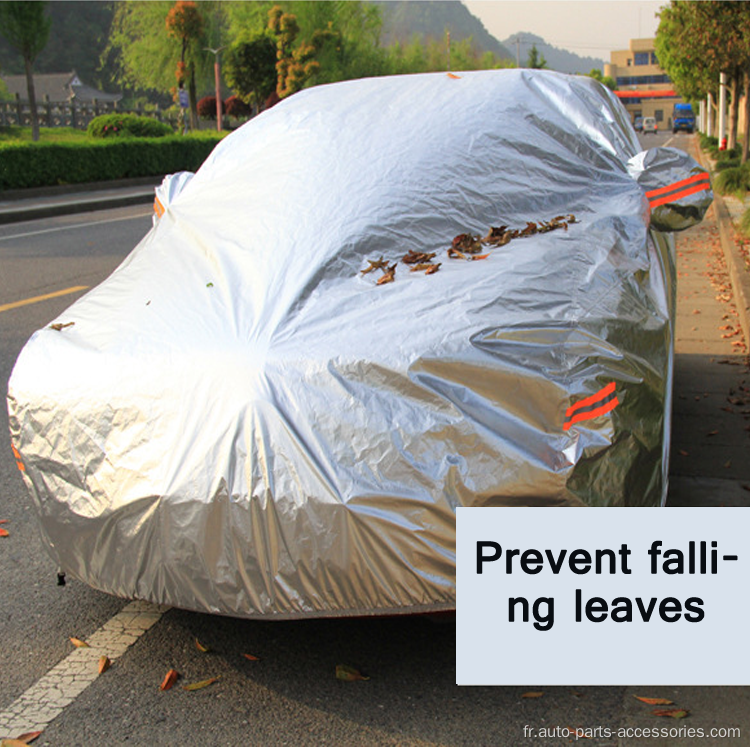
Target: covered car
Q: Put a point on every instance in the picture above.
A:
(374, 303)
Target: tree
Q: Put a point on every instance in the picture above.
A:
(535, 60)
(294, 64)
(26, 27)
(696, 41)
(185, 23)
(250, 69)
(608, 81)
(143, 53)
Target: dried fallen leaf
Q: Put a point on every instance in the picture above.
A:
(169, 680)
(78, 643)
(388, 276)
(672, 713)
(4, 532)
(376, 265)
(655, 701)
(712, 433)
(28, 736)
(251, 657)
(349, 674)
(532, 694)
(202, 684)
(12, 743)
(60, 326)
(104, 664)
(201, 647)
(728, 465)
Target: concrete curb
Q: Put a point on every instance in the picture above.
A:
(738, 271)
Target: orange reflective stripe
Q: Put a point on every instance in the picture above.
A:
(17, 455)
(158, 208)
(677, 185)
(682, 194)
(598, 396)
(593, 413)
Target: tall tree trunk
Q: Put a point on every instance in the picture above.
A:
(735, 109)
(194, 122)
(746, 134)
(32, 99)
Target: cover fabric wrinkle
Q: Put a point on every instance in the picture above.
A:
(241, 422)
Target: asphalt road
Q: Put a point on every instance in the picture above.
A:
(290, 695)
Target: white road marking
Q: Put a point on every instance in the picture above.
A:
(73, 226)
(50, 695)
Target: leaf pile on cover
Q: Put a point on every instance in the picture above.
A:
(466, 247)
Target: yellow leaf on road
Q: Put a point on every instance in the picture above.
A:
(349, 674)
(78, 643)
(202, 684)
(655, 701)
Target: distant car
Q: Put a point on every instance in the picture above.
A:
(377, 302)
(649, 125)
(638, 124)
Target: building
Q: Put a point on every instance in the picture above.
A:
(57, 87)
(642, 86)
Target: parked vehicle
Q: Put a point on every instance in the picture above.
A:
(649, 125)
(638, 124)
(683, 118)
(377, 302)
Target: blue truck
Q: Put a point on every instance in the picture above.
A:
(683, 118)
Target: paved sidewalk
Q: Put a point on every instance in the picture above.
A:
(710, 455)
(42, 203)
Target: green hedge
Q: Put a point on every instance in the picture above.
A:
(24, 165)
(127, 126)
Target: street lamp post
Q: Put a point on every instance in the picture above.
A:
(217, 77)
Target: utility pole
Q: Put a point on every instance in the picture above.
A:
(217, 78)
(518, 52)
(448, 31)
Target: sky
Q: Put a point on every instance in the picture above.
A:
(590, 28)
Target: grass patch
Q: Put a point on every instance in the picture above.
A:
(745, 223)
(733, 181)
(16, 134)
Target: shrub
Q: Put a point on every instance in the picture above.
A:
(745, 223)
(235, 107)
(726, 163)
(708, 141)
(127, 126)
(207, 108)
(733, 181)
(28, 165)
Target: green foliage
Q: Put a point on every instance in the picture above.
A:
(26, 27)
(608, 81)
(127, 126)
(708, 141)
(733, 181)
(696, 41)
(250, 68)
(727, 163)
(535, 60)
(36, 165)
(19, 134)
(745, 223)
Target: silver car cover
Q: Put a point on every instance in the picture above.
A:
(240, 420)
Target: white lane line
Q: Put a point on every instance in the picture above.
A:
(73, 226)
(45, 700)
